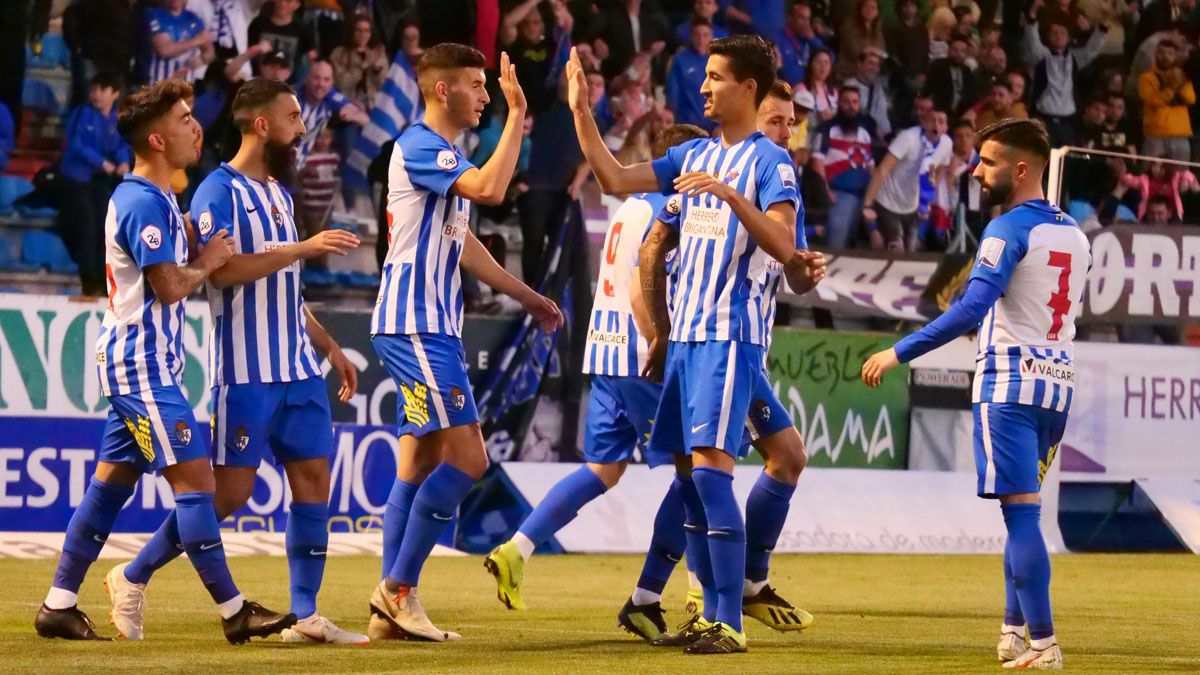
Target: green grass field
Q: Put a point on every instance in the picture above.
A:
(878, 614)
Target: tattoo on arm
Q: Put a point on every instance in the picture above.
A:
(659, 241)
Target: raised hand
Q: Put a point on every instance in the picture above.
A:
(700, 182)
(577, 86)
(510, 86)
(338, 242)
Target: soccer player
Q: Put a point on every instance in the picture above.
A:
(738, 210)
(1025, 287)
(620, 406)
(139, 357)
(417, 323)
(269, 398)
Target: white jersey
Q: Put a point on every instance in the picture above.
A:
(1039, 257)
(614, 346)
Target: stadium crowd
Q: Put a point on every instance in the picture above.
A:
(888, 97)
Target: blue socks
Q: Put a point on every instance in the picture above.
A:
(695, 530)
(395, 520)
(200, 534)
(1012, 605)
(307, 539)
(766, 511)
(667, 542)
(1030, 564)
(726, 542)
(562, 504)
(432, 510)
(87, 531)
(161, 549)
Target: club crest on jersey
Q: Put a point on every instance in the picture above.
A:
(152, 237)
(277, 217)
(787, 175)
(674, 205)
(446, 159)
(990, 250)
(416, 405)
(457, 398)
(183, 432)
(241, 438)
(205, 223)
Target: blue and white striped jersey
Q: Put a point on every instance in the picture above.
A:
(259, 329)
(179, 27)
(421, 291)
(141, 340)
(1039, 258)
(719, 260)
(315, 116)
(614, 346)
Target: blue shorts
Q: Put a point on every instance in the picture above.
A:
(619, 411)
(767, 415)
(286, 421)
(1015, 444)
(151, 429)
(707, 392)
(432, 389)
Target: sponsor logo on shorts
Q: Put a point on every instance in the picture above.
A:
(183, 432)
(140, 429)
(416, 404)
(457, 398)
(241, 438)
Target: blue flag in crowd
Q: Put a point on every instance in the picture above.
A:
(397, 105)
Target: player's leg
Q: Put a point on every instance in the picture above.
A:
(643, 614)
(414, 465)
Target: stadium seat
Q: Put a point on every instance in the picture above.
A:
(46, 250)
(40, 95)
(12, 188)
(313, 277)
(54, 53)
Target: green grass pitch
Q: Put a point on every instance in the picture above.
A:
(874, 614)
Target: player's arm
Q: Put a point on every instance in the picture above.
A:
(167, 48)
(773, 230)
(652, 263)
(637, 303)
(244, 268)
(329, 348)
(877, 177)
(173, 282)
(489, 183)
(613, 177)
(477, 261)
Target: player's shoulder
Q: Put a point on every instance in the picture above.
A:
(137, 195)
(656, 200)
(767, 149)
(418, 139)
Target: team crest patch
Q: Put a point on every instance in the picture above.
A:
(674, 205)
(416, 404)
(457, 398)
(764, 410)
(205, 223)
(241, 438)
(990, 250)
(183, 432)
(152, 237)
(446, 159)
(140, 430)
(277, 217)
(787, 175)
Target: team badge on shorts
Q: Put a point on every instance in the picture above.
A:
(183, 432)
(764, 410)
(241, 438)
(457, 398)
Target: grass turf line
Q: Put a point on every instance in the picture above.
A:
(878, 614)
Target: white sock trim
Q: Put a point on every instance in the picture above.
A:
(1008, 628)
(750, 588)
(524, 544)
(60, 598)
(1043, 644)
(231, 606)
(642, 597)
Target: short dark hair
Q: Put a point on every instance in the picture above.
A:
(1027, 135)
(147, 104)
(846, 86)
(447, 55)
(959, 37)
(252, 96)
(1002, 83)
(1160, 199)
(673, 136)
(962, 10)
(781, 90)
(1115, 95)
(750, 58)
(107, 80)
(962, 122)
(700, 21)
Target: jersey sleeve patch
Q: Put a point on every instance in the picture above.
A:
(990, 251)
(447, 160)
(206, 223)
(151, 237)
(787, 175)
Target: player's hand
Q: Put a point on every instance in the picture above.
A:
(108, 167)
(513, 94)
(219, 249)
(699, 182)
(869, 215)
(656, 359)
(346, 372)
(544, 312)
(338, 242)
(122, 168)
(577, 86)
(877, 365)
(815, 267)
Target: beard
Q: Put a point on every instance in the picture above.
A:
(997, 194)
(281, 161)
(846, 121)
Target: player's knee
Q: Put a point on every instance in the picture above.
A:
(192, 476)
(464, 450)
(609, 474)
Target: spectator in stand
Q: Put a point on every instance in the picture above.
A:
(908, 43)
(685, 76)
(1124, 201)
(954, 85)
(1166, 94)
(1119, 133)
(942, 25)
(229, 23)
(1159, 211)
(179, 44)
(93, 162)
(701, 9)
(997, 106)
(804, 103)
(360, 64)
(319, 102)
(893, 196)
(629, 28)
(279, 23)
(319, 181)
(1056, 70)
(861, 30)
(993, 64)
(538, 54)
(817, 83)
(966, 25)
(762, 17)
(275, 66)
(797, 42)
(872, 94)
(98, 51)
(1086, 178)
(598, 100)
(1168, 181)
(1018, 82)
(963, 196)
(842, 157)
(327, 23)
(1162, 14)
(8, 138)
(408, 40)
